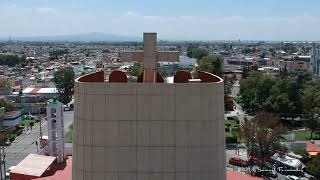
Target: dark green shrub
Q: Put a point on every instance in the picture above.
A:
(231, 140)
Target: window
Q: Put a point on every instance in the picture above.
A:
(54, 124)
(53, 112)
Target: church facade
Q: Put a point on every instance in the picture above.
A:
(149, 130)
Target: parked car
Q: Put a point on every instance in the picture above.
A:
(271, 173)
(66, 108)
(252, 160)
(238, 162)
(5, 143)
(30, 117)
(292, 178)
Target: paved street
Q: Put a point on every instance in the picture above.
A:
(24, 144)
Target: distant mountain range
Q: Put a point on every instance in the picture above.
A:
(91, 37)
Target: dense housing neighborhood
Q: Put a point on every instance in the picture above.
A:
(271, 101)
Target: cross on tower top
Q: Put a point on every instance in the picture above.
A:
(150, 56)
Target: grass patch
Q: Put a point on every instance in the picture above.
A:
(68, 137)
(305, 135)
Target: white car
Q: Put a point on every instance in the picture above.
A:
(66, 108)
(30, 116)
(292, 178)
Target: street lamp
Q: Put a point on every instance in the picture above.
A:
(2, 163)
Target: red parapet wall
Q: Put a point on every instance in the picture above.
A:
(182, 77)
(118, 77)
(94, 77)
(207, 77)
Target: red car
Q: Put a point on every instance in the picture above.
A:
(238, 162)
(253, 160)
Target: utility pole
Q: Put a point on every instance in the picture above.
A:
(2, 164)
(3, 135)
(1, 175)
(40, 123)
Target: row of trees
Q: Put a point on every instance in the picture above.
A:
(289, 96)
(285, 95)
(13, 60)
(54, 55)
(198, 53)
(8, 105)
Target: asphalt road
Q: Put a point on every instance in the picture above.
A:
(25, 143)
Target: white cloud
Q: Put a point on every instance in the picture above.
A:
(131, 13)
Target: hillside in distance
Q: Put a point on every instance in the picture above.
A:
(86, 37)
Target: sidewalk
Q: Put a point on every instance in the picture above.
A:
(26, 132)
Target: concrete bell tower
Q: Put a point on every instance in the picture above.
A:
(55, 130)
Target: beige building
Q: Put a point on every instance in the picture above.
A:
(149, 130)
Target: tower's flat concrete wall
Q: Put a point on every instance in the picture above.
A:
(149, 131)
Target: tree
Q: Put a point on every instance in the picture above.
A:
(279, 100)
(178, 67)
(313, 166)
(135, 70)
(212, 64)
(8, 106)
(197, 53)
(54, 55)
(305, 155)
(301, 77)
(13, 60)
(248, 50)
(280, 94)
(228, 85)
(262, 137)
(289, 48)
(64, 80)
(245, 72)
(255, 90)
(311, 105)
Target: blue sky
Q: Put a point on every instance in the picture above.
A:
(172, 19)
